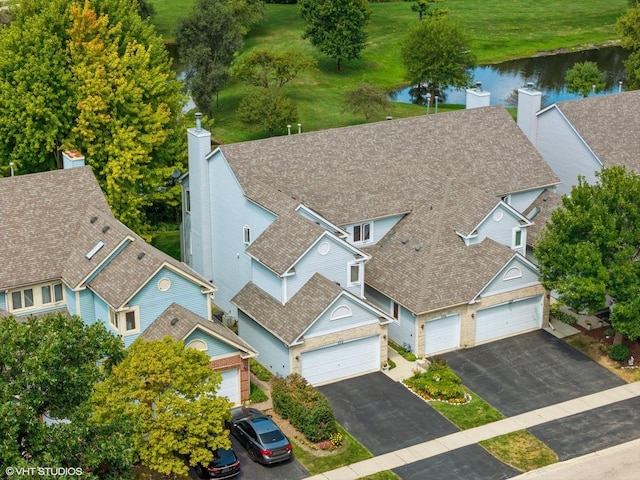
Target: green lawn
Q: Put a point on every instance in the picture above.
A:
(473, 414)
(520, 450)
(498, 30)
(167, 242)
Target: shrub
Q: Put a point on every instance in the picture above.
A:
(555, 312)
(259, 371)
(619, 352)
(438, 382)
(306, 408)
(406, 354)
(256, 394)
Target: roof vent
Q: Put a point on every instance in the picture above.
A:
(105, 229)
(405, 240)
(94, 250)
(141, 255)
(530, 85)
(174, 320)
(479, 86)
(418, 247)
(198, 122)
(93, 219)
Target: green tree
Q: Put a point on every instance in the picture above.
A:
(591, 247)
(246, 13)
(167, 394)
(422, 8)
(628, 26)
(48, 365)
(146, 9)
(265, 68)
(208, 40)
(368, 100)
(336, 27)
(267, 108)
(119, 105)
(585, 78)
(436, 52)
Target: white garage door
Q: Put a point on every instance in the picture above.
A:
(508, 319)
(230, 386)
(341, 360)
(442, 334)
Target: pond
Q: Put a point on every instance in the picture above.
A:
(547, 73)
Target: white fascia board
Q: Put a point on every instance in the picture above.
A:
(342, 233)
(516, 256)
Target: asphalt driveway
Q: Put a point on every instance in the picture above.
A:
(529, 371)
(382, 414)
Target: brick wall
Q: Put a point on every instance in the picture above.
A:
(228, 363)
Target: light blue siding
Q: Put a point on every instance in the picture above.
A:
(70, 298)
(499, 284)
(358, 316)
(564, 150)
(402, 331)
(333, 265)
(231, 211)
(500, 230)
(272, 353)
(87, 306)
(101, 311)
(521, 200)
(379, 228)
(267, 280)
(215, 346)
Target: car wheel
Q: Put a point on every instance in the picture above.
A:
(252, 455)
(200, 472)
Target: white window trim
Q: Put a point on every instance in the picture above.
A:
(38, 303)
(361, 225)
(351, 283)
(514, 233)
(198, 344)
(122, 321)
(246, 234)
(337, 315)
(512, 273)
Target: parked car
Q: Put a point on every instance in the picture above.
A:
(258, 433)
(225, 464)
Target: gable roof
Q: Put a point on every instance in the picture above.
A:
(376, 170)
(187, 322)
(608, 124)
(51, 222)
(289, 321)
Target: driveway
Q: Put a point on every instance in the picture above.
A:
(382, 414)
(529, 371)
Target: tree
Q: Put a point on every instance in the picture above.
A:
(167, 394)
(146, 9)
(436, 52)
(95, 78)
(265, 68)
(422, 8)
(585, 78)
(246, 13)
(48, 365)
(628, 26)
(591, 247)
(267, 108)
(367, 99)
(208, 40)
(336, 27)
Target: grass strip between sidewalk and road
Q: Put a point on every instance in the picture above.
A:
(521, 450)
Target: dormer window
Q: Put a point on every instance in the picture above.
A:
(355, 274)
(362, 233)
(36, 297)
(517, 238)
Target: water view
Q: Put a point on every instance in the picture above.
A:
(546, 73)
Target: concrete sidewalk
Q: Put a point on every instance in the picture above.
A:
(463, 438)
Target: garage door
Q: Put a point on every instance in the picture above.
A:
(230, 386)
(508, 319)
(341, 360)
(442, 334)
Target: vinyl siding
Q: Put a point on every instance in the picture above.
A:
(272, 353)
(521, 200)
(215, 347)
(402, 330)
(231, 211)
(499, 284)
(101, 311)
(500, 231)
(267, 280)
(87, 306)
(359, 316)
(70, 298)
(564, 150)
(333, 266)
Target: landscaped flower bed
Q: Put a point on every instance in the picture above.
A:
(438, 383)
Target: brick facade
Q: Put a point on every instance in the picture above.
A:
(228, 363)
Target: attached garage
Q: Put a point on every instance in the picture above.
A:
(230, 386)
(508, 319)
(340, 360)
(441, 334)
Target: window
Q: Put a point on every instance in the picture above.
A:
(36, 297)
(187, 201)
(517, 237)
(396, 310)
(362, 233)
(247, 234)
(341, 312)
(513, 272)
(130, 321)
(354, 274)
(198, 345)
(126, 322)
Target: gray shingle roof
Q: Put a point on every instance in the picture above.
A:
(51, 221)
(610, 126)
(546, 202)
(186, 323)
(288, 321)
(369, 171)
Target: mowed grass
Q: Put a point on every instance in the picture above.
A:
(473, 414)
(520, 450)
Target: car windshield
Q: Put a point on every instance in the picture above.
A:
(271, 437)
